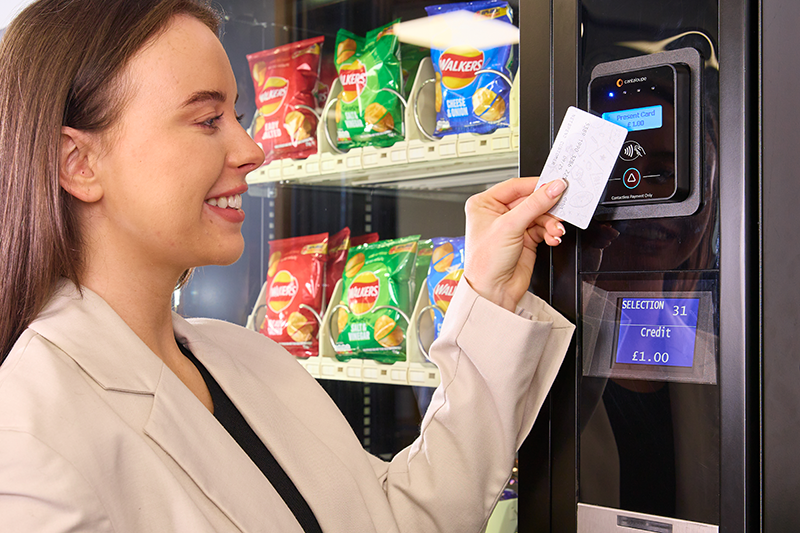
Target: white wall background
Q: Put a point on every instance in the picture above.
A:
(9, 9)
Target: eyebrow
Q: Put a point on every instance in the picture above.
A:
(205, 96)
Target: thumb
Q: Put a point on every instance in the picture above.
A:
(535, 205)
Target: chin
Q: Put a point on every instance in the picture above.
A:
(227, 255)
(231, 258)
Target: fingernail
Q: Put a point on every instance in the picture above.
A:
(558, 239)
(556, 187)
(562, 229)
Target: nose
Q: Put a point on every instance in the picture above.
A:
(245, 154)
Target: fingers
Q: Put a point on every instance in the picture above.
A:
(511, 190)
(540, 234)
(551, 224)
(525, 213)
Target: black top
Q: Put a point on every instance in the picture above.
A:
(234, 423)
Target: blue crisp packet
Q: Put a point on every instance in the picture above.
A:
(444, 273)
(466, 101)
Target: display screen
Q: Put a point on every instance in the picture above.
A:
(657, 331)
(642, 118)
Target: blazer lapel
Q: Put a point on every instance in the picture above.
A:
(186, 431)
(312, 457)
(115, 357)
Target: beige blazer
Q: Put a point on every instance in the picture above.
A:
(97, 434)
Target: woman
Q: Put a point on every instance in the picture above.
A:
(118, 127)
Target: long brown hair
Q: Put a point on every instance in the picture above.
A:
(60, 65)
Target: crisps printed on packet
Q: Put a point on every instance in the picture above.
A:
(466, 101)
(367, 115)
(376, 275)
(285, 79)
(446, 270)
(295, 277)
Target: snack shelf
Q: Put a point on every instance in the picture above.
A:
(415, 370)
(419, 161)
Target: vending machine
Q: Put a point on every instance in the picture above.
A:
(677, 400)
(673, 409)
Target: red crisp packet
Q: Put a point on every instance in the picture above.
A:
(285, 79)
(327, 75)
(294, 278)
(363, 239)
(338, 245)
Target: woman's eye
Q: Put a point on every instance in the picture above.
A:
(212, 122)
(239, 118)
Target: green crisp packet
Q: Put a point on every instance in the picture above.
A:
(366, 113)
(376, 275)
(424, 253)
(410, 57)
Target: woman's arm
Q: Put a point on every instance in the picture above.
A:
(498, 353)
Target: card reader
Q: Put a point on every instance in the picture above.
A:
(656, 98)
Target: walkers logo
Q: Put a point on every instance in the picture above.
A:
(444, 290)
(354, 78)
(272, 96)
(459, 65)
(281, 291)
(363, 293)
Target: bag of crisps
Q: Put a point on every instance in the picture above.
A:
(327, 75)
(466, 102)
(285, 79)
(338, 245)
(366, 114)
(410, 57)
(364, 239)
(446, 269)
(424, 254)
(376, 275)
(294, 278)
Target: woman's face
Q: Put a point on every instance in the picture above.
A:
(178, 157)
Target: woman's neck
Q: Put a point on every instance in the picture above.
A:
(144, 304)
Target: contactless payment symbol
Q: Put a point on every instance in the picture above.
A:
(631, 150)
(632, 178)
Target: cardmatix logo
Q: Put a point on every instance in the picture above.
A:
(272, 95)
(281, 291)
(459, 65)
(363, 293)
(354, 78)
(444, 290)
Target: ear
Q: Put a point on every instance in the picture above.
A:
(76, 165)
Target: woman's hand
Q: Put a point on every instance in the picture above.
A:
(504, 226)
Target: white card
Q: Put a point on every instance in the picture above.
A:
(584, 153)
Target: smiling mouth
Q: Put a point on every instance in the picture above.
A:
(226, 202)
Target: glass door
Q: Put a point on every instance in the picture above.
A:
(336, 166)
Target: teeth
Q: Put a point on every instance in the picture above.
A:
(230, 202)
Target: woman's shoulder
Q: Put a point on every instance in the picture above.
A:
(246, 346)
(42, 388)
(230, 334)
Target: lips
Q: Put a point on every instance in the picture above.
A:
(228, 206)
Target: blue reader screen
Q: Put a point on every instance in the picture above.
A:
(657, 331)
(641, 118)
